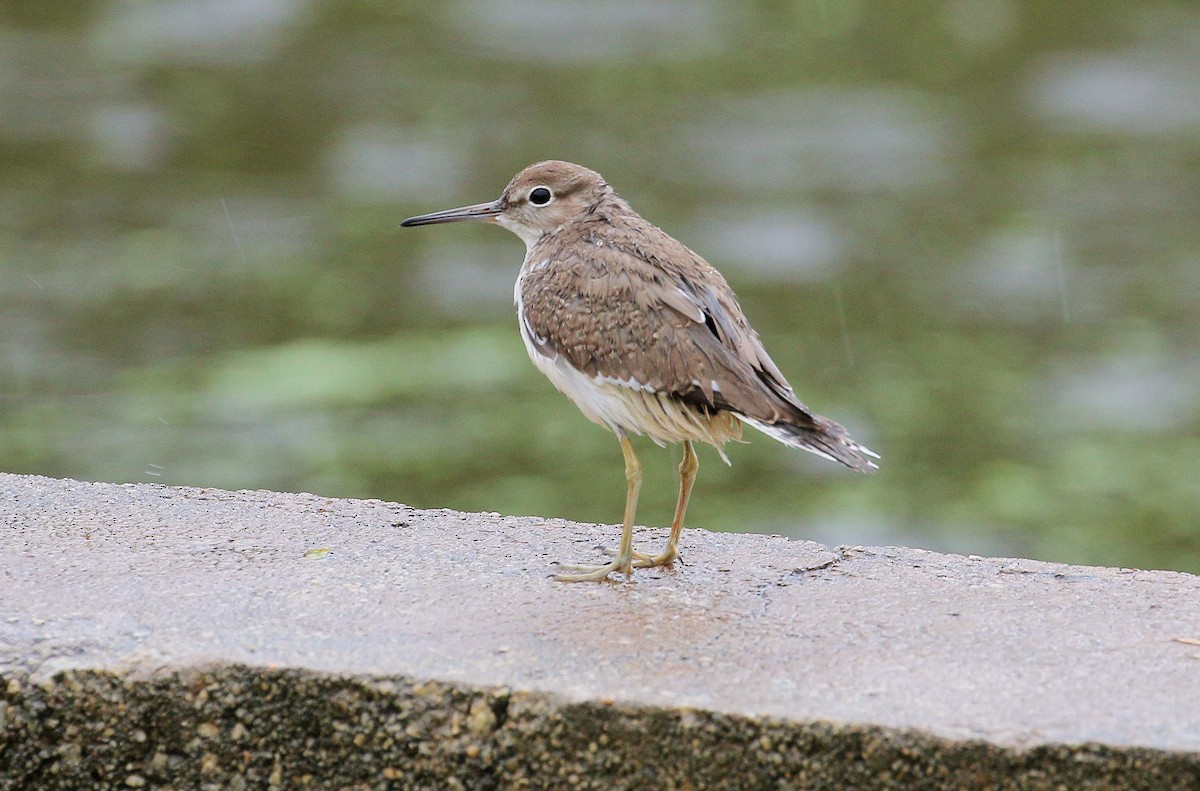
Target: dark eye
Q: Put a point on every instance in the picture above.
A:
(540, 196)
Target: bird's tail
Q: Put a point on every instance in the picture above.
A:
(823, 438)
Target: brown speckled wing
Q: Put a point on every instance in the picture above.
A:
(660, 318)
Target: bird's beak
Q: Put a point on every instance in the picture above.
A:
(480, 211)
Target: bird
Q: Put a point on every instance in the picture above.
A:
(643, 335)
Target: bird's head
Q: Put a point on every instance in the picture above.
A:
(539, 199)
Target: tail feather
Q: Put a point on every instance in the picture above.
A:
(824, 438)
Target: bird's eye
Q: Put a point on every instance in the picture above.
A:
(540, 196)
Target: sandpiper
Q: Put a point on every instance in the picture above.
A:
(643, 335)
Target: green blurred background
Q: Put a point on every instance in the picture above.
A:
(968, 230)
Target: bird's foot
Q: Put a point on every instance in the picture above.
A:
(643, 561)
(634, 554)
(664, 558)
(594, 573)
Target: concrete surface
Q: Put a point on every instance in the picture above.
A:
(201, 639)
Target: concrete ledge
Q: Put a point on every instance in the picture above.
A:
(153, 635)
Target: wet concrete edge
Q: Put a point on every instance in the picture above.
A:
(239, 727)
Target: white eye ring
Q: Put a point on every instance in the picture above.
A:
(540, 196)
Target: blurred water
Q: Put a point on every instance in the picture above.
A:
(968, 230)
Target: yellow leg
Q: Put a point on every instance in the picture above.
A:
(622, 562)
(687, 476)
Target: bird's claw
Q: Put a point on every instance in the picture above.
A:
(593, 573)
(640, 560)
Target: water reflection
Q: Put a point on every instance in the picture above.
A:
(579, 31)
(1137, 93)
(373, 162)
(771, 244)
(218, 32)
(834, 138)
(967, 231)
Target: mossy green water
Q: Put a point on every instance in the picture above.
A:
(965, 230)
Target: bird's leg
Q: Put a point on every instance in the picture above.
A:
(687, 476)
(623, 560)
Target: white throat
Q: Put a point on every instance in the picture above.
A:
(528, 235)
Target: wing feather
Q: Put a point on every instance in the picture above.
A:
(617, 313)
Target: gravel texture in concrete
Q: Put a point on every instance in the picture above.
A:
(156, 636)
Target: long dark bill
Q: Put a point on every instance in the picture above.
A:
(480, 211)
